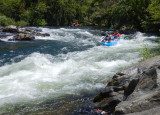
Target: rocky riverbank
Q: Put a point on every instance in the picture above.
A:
(133, 91)
(19, 33)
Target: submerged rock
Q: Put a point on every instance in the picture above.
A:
(139, 86)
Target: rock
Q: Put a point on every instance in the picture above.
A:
(110, 103)
(23, 37)
(39, 34)
(113, 94)
(22, 34)
(153, 111)
(34, 32)
(107, 92)
(10, 29)
(139, 86)
(143, 93)
(26, 31)
(131, 87)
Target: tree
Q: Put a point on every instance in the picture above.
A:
(11, 8)
(36, 14)
(131, 12)
(154, 11)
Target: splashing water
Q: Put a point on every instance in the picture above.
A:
(69, 62)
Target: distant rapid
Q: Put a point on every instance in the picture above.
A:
(61, 73)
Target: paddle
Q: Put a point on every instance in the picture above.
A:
(109, 29)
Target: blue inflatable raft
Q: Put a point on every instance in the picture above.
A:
(112, 43)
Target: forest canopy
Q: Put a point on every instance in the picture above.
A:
(143, 15)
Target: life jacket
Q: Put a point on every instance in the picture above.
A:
(107, 37)
(77, 25)
(118, 34)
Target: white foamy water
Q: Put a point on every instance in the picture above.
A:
(68, 35)
(40, 76)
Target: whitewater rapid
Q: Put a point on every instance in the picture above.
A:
(40, 76)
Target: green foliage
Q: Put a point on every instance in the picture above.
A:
(4, 21)
(102, 12)
(36, 14)
(154, 10)
(141, 15)
(21, 23)
(131, 12)
(65, 12)
(146, 53)
(11, 8)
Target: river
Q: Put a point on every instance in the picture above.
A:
(61, 74)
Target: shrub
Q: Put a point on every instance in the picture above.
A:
(21, 23)
(146, 52)
(5, 21)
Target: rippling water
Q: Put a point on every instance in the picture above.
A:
(61, 74)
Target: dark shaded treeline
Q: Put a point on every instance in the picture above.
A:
(143, 15)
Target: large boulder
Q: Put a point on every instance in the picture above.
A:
(145, 93)
(139, 85)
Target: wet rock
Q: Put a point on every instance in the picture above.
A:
(36, 33)
(43, 35)
(105, 93)
(10, 29)
(23, 37)
(109, 91)
(22, 34)
(109, 104)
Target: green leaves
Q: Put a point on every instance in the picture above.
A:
(142, 15)
(4, 21)
(36, 14)
(154, 10)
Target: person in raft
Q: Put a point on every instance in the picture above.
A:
(107, 38)
(77, 24)
(116, 35)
